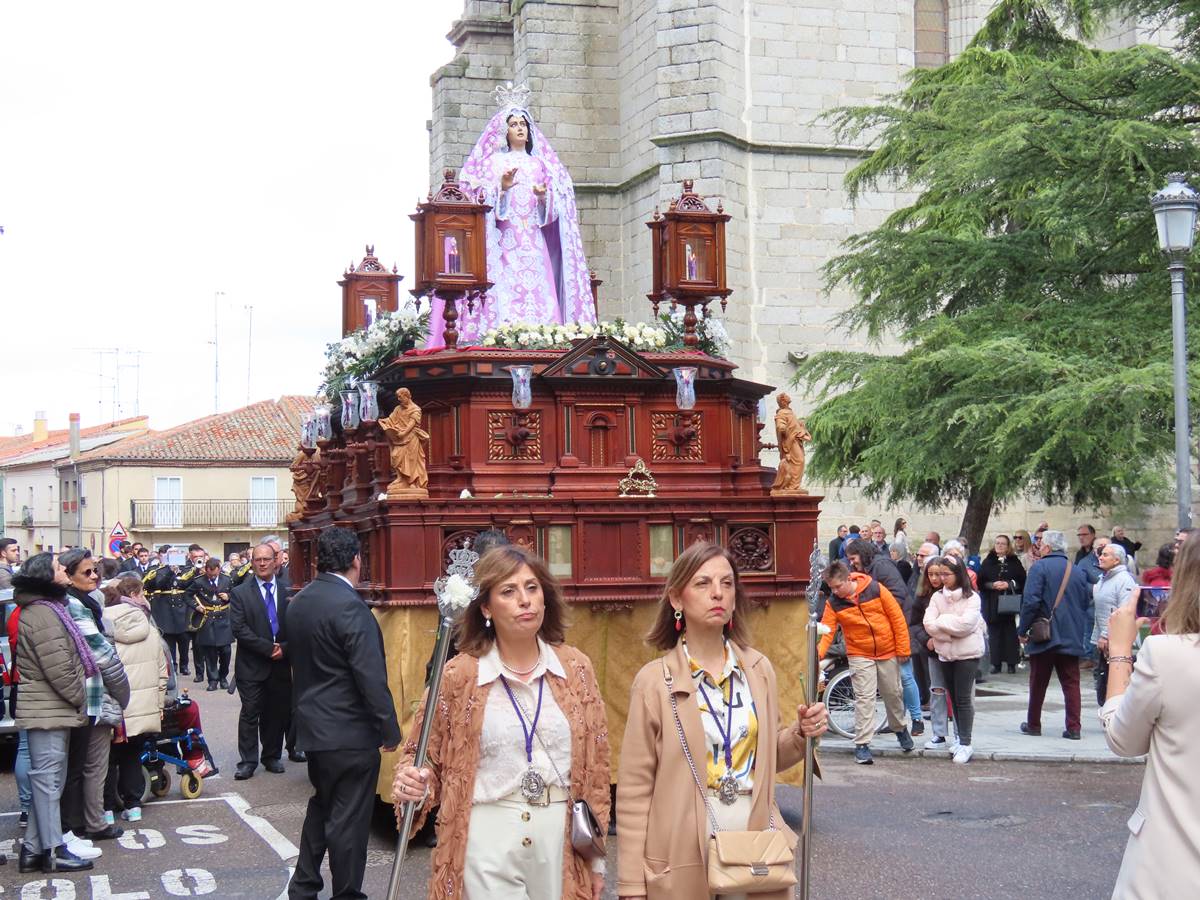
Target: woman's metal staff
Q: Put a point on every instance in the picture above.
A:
(454, 593)
(811, 693)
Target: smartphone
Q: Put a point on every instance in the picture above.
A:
(1152, 602)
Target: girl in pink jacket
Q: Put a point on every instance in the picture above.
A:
(954, 622)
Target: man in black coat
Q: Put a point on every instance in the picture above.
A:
(258, 612)
(344, 716)
(209, 595)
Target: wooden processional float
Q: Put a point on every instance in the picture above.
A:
(605, 461)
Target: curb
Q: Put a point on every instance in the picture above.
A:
(993, 756)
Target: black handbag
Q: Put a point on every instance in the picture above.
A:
(1008, 604)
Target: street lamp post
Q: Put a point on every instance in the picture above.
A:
(1175, 208)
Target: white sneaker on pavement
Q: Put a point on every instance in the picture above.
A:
(133, 814)
(81, 847)
(962, 753)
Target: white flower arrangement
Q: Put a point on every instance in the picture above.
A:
(714, 339)
(530, 336)
(360, 355)
(457, 593)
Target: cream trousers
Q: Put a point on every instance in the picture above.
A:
(734, 817)
(865, 676)
(515, 851)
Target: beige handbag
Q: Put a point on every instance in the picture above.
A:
(739, 862)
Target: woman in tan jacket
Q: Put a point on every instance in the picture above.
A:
(519, 720)
(728, 707)
(139, 644)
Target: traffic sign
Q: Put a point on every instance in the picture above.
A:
(115, 538)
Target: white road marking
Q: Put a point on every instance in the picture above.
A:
(264, 829)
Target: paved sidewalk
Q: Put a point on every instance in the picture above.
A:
(1000, 706)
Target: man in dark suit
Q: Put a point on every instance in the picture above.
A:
(285, 590)
(258, 612)
(344, 716)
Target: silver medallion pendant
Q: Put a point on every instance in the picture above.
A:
(727, 793)
(533, 786)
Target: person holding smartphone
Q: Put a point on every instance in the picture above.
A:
(1151, 711)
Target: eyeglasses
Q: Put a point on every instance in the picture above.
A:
(87, 572)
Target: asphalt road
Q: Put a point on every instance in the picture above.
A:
(903, 827)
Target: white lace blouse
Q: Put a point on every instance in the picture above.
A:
(502, 761)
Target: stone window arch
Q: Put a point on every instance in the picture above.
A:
(931, 27)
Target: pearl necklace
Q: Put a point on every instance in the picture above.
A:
(518, 672)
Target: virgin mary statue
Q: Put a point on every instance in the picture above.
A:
(535, 254)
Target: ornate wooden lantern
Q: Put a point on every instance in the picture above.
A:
(688, 257)
(451, 256)
(368, 290)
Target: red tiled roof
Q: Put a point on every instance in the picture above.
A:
(267, 431)
(19, 445)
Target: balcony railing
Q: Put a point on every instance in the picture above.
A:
(166, 514)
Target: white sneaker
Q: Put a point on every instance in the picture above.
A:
(963, 753)
(109, 818)
(81, 847)
(133, 814)
(938, 743)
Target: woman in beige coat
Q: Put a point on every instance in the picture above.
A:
(726, 696)
(1152, 711)
(139, 645)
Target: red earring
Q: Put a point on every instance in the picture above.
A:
(679, 620)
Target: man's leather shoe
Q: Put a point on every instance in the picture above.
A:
(107, 833)
(199, 677)
(1072, 735)
(212, 686)
(1032, 732)
(63, 860)
(297, 756)
(224, 684)
(183, 670)
(243, 772)
(274, 766)
(28, 861)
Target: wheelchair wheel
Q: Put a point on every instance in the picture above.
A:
(190, 786)
(839, 701)
(160, 782)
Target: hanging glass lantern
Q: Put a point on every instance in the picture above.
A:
(368, 401)
(308, 432)
(324, 426)
(522, 393)
(685, 386)
(349, 416)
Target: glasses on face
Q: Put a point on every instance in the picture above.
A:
(1082, 535)
(88, 572)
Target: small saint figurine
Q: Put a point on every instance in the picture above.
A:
(403, 431)
(791, 434)
(452, 266)
(690, 262)
(303, 477)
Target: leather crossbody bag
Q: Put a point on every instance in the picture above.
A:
(1039, 629)
(739, 862)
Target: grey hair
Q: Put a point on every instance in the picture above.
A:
(1055, 540)
(1118, 551)
(954, 545)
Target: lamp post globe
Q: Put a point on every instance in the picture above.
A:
(1175, 209)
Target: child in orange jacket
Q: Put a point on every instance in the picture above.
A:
(876, 638)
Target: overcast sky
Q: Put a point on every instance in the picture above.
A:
(153, 154)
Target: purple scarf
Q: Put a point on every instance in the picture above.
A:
(91, 670)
